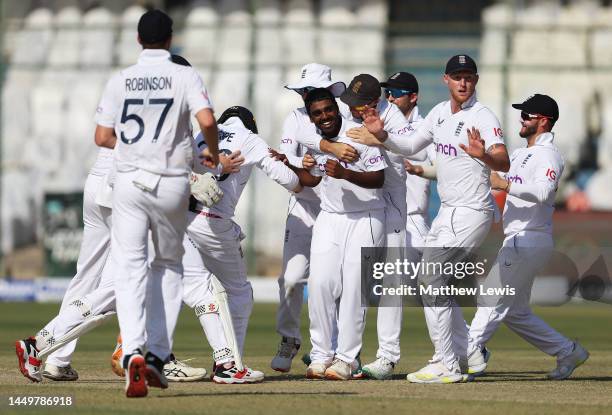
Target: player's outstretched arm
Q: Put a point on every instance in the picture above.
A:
(342, 151)
(208, 125)
(305, 177)
(424, 171)
(105, 137)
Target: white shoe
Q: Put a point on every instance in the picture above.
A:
(179, 371)
(437, 373)
(316, 370)
(477, 361)
(233, 375)
(287, 350)
(66, 373)
(381, 368)
(339, 370)
(569, 363)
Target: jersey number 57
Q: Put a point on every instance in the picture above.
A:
(125, 117)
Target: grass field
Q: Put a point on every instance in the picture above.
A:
(515, 381)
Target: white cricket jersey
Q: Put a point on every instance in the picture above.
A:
(417, 188)
(233, 136)
(462, 180)
(149, 105)
(104, 162)
(534, 173)
(298, 122)
(342, 196)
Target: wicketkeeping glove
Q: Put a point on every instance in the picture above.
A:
(205, 189)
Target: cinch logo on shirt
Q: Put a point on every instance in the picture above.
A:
(515, 179)
(286, 141)
(374, 160)
(405, 130)
(446, 149)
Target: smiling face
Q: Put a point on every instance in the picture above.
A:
(326, 117)
(461, 85)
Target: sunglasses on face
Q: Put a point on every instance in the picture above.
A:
(525, 116)
(396, 93)
(304, 90)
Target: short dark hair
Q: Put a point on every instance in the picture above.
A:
(316, 95)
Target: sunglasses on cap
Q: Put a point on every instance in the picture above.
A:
(396, 93)
(525, 116)
(362, 108)
(304, 90)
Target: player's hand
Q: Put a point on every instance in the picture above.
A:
(231, 163)
(209, 159)
(205, 189)
(308, 161)
(413, 169)
(476, 145)
(374, 124)
(334, 169)
(497, 182)
(363, 136)
(343, 152)
(278, 156)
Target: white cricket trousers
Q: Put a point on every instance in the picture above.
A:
(217, 251)
(301, 217)
(148, 300)
(455, 233)
(389, 312)
(518, 261)
(334, 287)
(389, 319)
(93, 256)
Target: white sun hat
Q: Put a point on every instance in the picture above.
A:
(318, 76)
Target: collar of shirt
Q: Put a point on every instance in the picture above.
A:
(414, 115)
(545, 139)
(153, 56)
(470, 102)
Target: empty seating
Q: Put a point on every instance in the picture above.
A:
(98, 38)
(200, 34)
(32, 43)
(66, 46)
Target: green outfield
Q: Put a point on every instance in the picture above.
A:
(515, 382)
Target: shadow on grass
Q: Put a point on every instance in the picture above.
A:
(190, 395)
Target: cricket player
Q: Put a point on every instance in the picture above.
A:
(302, 212)
(531, 184)
(352, 217)
(212, 243)
(93, 256)
(148, 106)
(401, 89)
(90, 296)
(469, 143)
